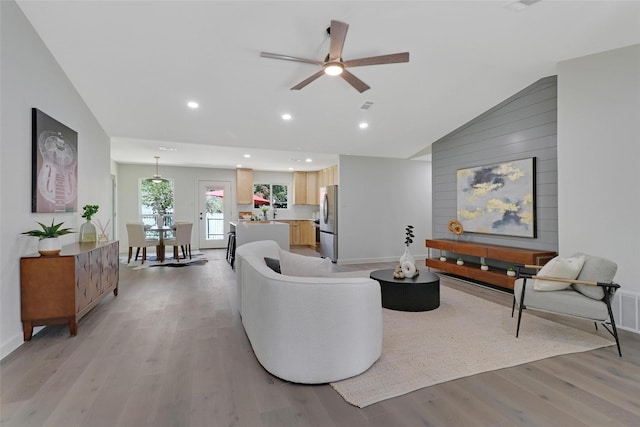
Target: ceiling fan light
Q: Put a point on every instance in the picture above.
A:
(333, 68)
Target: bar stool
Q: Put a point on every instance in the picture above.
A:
(231, 248)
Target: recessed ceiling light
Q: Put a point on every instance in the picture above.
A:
(286, 116)
(238, 166)
(290, 169)
(308, 160)
(193, 104)
(363, 125)
(168, 149)
(246, 156)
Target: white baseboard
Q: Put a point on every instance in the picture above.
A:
(16, 341)
(419, 260)
(626, 310)
(10, 345)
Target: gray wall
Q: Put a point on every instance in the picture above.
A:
(598, 153)
(31, 77)
(522, 126)
(378, 198)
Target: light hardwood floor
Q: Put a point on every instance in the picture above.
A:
(170, 350)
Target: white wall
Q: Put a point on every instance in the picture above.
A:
(377, 199)
(185, 181)
(32, 78)
(598, 158)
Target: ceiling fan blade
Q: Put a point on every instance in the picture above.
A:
(338, 36)
(308, 80)
(393, 58)
(358, 84)
(290, 58)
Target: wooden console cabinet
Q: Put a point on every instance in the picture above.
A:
(62, 289)
(482, 252)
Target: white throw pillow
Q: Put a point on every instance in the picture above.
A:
(560, 268)
(303, 266)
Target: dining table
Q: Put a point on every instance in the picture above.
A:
(160, 248)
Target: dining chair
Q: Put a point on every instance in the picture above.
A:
(181, 240)
(137, 239)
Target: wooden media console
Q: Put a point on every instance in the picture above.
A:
(481, 253)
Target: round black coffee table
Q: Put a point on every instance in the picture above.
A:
(420, 293)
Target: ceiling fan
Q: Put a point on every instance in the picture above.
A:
(333, 64)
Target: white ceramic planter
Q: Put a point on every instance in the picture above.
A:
(443, 258)
(484, 267)
(460, 262)
(511, 273)
(49, 246)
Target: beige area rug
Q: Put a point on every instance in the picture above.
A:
(465, 336)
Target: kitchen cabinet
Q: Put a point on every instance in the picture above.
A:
(294, 233)
(328, 176)
(300, 188)
(313, 190)
(306, 185)
(307, 233)
(244, 186)
(333, 175)
(62, 289)
(301, 232)
(305, 188)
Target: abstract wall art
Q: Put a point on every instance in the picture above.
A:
(54, 168)
(498, 198)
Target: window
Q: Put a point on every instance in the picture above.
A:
(156, 198)
(276, 195)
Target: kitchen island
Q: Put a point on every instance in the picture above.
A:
(251, 231)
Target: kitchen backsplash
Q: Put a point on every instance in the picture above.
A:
(294, 212)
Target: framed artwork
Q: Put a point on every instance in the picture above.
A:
(498, 199)
(54, 165)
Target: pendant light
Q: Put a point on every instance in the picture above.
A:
(156, 179)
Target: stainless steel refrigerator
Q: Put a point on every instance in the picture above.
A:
(329, 222)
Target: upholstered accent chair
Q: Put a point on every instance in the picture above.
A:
(581, 286)
(137, 239)
(181, 240)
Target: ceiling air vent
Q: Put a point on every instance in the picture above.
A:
(366, 105)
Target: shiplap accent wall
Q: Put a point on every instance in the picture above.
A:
(525, 125)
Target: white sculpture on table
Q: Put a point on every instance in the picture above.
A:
(407, 267)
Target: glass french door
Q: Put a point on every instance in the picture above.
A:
(214, 213)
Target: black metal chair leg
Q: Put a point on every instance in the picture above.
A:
(519, 318)
(614, 331)
(521, 305)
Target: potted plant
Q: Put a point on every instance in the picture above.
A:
(264, 209)
(49, 243)
(443, 258)
(484, 267)
(460, 261)
(88, 230)
(511, 272)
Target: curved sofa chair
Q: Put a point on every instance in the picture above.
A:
(308, 330)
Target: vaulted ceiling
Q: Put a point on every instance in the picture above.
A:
(137, 64)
